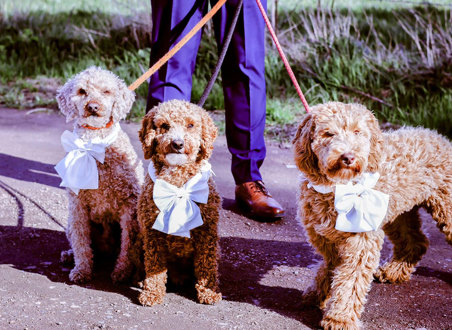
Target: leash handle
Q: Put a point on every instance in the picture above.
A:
(283, 57)
(177, 46)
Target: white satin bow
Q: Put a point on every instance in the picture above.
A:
(78, 169)
(360, 208)
(179, 212)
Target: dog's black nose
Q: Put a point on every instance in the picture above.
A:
(348, 158)
(92, 107)
(177, 144)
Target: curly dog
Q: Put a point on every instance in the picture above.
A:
(98, 149)
(338, 145)
(178, 137)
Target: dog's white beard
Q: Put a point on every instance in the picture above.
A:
(174, 159)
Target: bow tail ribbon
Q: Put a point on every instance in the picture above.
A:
(179, 218)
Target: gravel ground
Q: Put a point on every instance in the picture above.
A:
(264, 267)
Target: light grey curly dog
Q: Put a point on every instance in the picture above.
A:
(97, 100)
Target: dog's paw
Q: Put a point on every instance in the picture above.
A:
(80, 275)
(149, 298)
(394, 272)
(67, 257)
(332, 324)
(207, 296)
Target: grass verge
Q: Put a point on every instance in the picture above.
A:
(396, 61)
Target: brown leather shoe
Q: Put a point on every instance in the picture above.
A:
(253, 197)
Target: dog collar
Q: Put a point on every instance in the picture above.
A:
(109, 124)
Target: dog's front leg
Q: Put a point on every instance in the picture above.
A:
(123, 266)
(359, 256)
(155, 263)
(319, 291)
(206, 265)
(79, 235)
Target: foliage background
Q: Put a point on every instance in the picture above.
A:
(393, 56)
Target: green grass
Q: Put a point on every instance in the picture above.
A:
(396, 58)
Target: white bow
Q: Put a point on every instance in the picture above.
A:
(178, 211)
(360, 208)
(78, 169)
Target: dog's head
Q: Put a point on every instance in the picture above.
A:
(337, 142)
(94, 97)
(177, 133)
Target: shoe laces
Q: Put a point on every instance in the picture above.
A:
(259, 187)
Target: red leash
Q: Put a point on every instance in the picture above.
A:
(283, 57)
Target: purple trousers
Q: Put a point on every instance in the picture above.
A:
(243, 72)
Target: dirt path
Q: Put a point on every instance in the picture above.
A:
(264, 267)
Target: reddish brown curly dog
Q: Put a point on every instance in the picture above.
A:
(337, 143)
(178, 138)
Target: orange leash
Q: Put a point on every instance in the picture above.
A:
(283, 57)
(178, 46)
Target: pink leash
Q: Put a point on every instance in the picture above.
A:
(283, 57)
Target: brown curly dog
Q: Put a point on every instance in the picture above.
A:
(337, 143)
(178, 137)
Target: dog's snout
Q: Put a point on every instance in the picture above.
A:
(348, 158)
(177, 144)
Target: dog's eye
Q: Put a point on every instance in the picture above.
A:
(81, 91)
(107, 92)
(190, 126)
(356, 131)
(329, 134)
(165, 126)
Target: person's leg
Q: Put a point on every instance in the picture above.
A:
(243, 74)
(172, 19)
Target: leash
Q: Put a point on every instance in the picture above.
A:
(197, 27)
(283, 57)
(178, 46)
(222, 55)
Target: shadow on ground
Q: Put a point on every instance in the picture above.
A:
(244, 263)
(29, 170)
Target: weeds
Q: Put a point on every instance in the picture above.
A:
(398, 62)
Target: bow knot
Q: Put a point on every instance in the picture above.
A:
(179, 212)
(78, 169)
(360, 208)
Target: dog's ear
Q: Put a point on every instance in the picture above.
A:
(305, 159)
(147, 134)
(124, 99)
(65, 103)
(208, 135)
(376, 143)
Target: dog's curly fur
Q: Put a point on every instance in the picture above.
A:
(416, 171)
(191, 125)
(94, 97)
